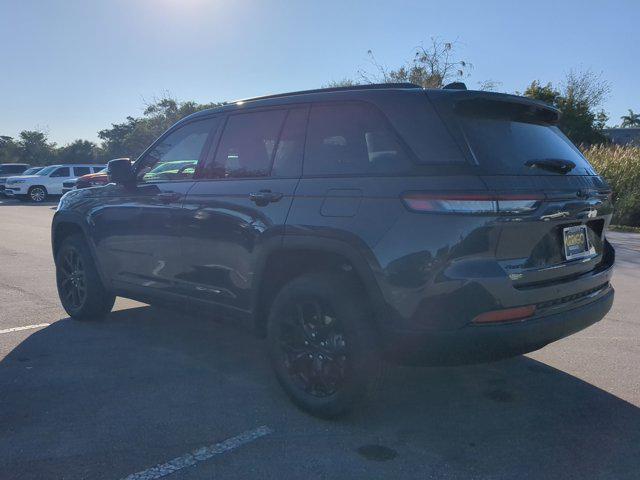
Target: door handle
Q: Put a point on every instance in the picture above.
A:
(168, 197)
(264, 197)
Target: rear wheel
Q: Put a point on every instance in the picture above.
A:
(322, 347)
(37, 194)
(80, 288)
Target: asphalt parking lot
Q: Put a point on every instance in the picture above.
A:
(143, 390)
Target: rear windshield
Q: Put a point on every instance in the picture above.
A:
(517, 139)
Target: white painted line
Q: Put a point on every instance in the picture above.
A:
(28, 327)
(200, 455)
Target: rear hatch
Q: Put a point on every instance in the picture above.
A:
(555, 206)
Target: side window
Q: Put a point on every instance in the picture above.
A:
(352, 139)
(80, 171)
(15, 169)
(288, 159)
(61, 172)
(175, 156)
(247, 146)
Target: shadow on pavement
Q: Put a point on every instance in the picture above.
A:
(106, 399)
(12, 202)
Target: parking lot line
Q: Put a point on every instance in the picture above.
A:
(200, 455)
(27, 327)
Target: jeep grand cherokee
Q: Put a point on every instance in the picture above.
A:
(352, 226)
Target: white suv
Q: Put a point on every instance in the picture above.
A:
(47, 181)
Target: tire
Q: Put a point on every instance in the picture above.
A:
(327, 367)
(37, 194)
(80, 288)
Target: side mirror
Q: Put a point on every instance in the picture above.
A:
(119, 171)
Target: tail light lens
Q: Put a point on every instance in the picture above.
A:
(472, 203)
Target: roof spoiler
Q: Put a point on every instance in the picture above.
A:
(455, 86)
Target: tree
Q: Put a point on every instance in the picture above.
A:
(78, 151)
(345, 82)
(8, 150)
(577, 99)
(132, 137)
(631, 120)
(432, 66)
(35, 149)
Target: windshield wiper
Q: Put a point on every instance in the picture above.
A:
(552, 164)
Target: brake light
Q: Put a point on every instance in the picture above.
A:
(505, 315)
(474, 203)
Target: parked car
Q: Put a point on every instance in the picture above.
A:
(70, 185)
(32, 170)
(93, 179)
(47, 181)
(90, 180)
(352, 226)
(9, 169)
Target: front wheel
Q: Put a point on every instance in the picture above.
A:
(322, 345)
(80, 288)
(37, 194)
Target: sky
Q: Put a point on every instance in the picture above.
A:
(74, 67)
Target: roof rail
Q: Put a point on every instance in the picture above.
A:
(370, 86)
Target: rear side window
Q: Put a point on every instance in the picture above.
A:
(8, 169)
(352, 139)
(248, 145)
(80, 171)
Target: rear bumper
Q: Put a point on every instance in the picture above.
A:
(475, 344)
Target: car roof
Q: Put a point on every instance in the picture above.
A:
(359, 92)
(305, 96)
(76, 165)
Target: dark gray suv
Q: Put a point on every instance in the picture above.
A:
(352, 226)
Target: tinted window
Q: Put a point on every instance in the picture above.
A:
(79, 171)
(288, 159)
(6, 169)
(175, 156)
(504, 146)
(503, 136)
(247, 145)
(352, 139)
(61, 172)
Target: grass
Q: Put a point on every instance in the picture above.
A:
(620, 166)
(624, 228)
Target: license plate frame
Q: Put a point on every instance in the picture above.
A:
(575, 248)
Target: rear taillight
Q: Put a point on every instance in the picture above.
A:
(473, 203)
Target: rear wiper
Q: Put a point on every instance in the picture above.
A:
(552, 164)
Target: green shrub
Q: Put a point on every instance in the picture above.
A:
(620, 166)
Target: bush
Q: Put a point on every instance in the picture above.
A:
(620, 166)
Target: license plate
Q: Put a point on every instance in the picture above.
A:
(576, 242)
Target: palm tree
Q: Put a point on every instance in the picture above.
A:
(631, 120)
